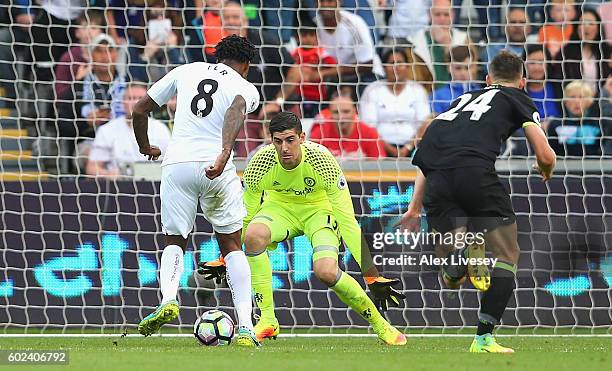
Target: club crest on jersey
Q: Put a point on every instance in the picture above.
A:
(309, 181)
(536, 117)
(342, 182)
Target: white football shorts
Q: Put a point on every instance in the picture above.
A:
(185, 184)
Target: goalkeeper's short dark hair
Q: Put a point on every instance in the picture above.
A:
(506, 66)
(235, 48)
(285, 121)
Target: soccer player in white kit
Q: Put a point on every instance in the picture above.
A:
(212, 102)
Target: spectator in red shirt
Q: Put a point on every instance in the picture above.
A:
(303, 83)
(338, 128)
(311, 58)
(212, 28)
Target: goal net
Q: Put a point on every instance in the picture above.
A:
(80, 230)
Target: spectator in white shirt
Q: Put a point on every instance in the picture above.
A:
(346, 37)
(115, 144)
(397, 107)
(433, 44)
(408, 17)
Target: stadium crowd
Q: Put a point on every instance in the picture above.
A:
(366, 76)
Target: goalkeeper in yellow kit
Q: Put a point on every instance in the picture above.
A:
(304, 192)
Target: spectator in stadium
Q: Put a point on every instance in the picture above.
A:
(606, 112)
(541, 91)
(272, 66)
(44, 26)
(314, 63)
(607, 93)
(556, 33)
(535, 12)
(580, 132)
(397, 107)
(365, 10)
(98, 97)
(13, 39)
(115, 144)
(210, 30)
(167, 115)
(605, 12)
(127, 18)
(154, 50)
(518, 28)
(433, 44)
(267, 139)
(74, 64)
(279, 16)
(406, 19)
(340, 130)
(52, 34)
(419, 70)
(272, 63)
(463, 69)
(586, 56)
(347, 38)
(121, 21)
(489, 17)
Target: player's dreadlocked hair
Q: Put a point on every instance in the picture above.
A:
(285, 121)
(506, 66)
(235, 48)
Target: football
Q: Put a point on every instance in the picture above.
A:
(214, 328)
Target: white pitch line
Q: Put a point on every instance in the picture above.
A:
(304, 335)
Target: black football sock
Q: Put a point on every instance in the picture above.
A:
(494, 301)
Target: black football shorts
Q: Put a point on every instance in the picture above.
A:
(469, 196)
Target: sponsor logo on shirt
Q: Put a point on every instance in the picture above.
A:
(297, 192)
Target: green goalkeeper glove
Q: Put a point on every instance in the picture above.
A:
(383, 292)
(213, 270)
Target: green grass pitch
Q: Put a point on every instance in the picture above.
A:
(319, 354)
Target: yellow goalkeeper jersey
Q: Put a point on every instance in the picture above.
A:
(317, 180)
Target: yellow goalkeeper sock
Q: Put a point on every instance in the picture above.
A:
(261, 279)
(351, 294)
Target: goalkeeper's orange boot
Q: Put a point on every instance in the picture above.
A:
(267, 329)
(216, 263)
(389, 334)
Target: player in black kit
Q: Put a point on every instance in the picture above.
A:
(458, 186)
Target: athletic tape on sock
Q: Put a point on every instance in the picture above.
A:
(254, 253)
(483, 317)
(324, 251)
(338, 275)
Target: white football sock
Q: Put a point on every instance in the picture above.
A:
(239, 282)
(170, 271)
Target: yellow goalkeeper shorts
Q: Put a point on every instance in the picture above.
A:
(316, 222)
